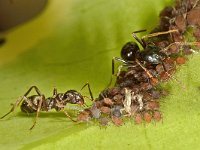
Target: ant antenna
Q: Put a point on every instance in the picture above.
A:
(141, 41)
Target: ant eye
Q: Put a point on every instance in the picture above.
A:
(129, 51)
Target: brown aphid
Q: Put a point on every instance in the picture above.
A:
(169, 63)
(84, 116)
(157, 116)
(98, 103)
(117, 121)
(159, 68)
(147, 117)
(146, 86)
(196, 33)
(177, 36)
(180, 60)
(164, 76)
(115, 90)
(147, 96)
(104, 121)
(155, 94)
(173, 49)
(180, 22)
(108, 101)
(138, 118)
(193, 16)
(152, 105)
(118, 99)
(105, 110)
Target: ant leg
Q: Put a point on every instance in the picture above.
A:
(21, 99)
(42, 99)
(65, 112)
(67, 115)
(125, 64)
(154, 80)
(14, 106)
(117, 59)
(36, 89)
(113, 68)
(91, 95)
(159, 33)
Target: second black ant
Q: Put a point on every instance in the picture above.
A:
(38, 103)
(132, 56)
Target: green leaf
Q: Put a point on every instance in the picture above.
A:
(72, 43)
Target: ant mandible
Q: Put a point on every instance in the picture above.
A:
(131, 54)
(37, 103)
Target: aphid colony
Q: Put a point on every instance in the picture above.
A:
(136, 92)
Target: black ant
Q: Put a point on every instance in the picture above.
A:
(37, 103)
(132, 56)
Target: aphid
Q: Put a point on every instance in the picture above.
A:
(157, 116)
(117, 121)
(131, 56)
(37, 103)
(104, 121)
(138, 118)
(147, 117)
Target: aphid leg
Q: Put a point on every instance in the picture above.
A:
(17, 103)
(174, 78)
(141, 41)
(154, 80)
(89, 89)
(158, 33)
(42, 99)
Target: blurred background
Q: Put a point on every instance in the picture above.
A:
(14, 12)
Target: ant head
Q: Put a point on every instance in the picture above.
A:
(129, 51)
(73, 97)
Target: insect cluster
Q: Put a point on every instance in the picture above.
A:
(137, 91)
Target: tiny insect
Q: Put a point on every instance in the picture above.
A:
(37, 103)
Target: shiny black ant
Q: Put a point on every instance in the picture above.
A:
(37, 103)
(132, 56)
